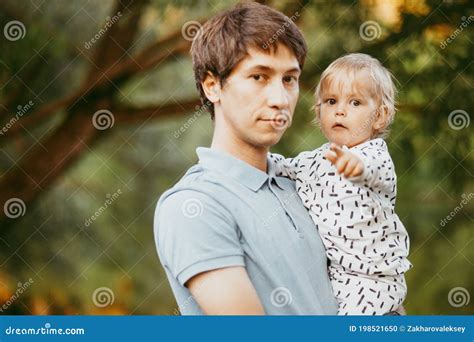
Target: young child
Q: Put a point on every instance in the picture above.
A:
(349, 186)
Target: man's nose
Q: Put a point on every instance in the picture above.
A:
(277, 96)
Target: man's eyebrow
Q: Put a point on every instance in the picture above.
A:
(295, 69)
(270, 69)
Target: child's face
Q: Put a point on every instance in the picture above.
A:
(348, 112)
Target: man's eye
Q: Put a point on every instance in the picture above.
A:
(289, 79)
(257, 77)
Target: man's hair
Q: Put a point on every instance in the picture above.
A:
(384, 90)
(224, 40)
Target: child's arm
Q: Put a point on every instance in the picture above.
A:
(371, 165)
(284, 167)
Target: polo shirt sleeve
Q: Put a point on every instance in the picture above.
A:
(194, 234)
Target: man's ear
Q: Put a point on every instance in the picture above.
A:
(212, 87)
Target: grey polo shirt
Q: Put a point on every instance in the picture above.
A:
(223, 213)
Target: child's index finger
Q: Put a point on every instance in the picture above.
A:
(336, 148)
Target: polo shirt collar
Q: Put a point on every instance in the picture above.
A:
(229, 165)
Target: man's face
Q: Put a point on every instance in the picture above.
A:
(257, 100)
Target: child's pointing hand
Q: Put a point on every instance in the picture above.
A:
(346, 163)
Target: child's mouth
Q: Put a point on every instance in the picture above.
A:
(338, 126)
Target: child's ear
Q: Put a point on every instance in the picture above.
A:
(316, 108)
(212, 87)
(381, 116)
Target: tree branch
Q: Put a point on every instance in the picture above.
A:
(133, 115)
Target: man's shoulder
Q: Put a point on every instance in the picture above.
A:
(196, 180)
(199, 188)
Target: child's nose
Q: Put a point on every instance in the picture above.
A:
(340, 111)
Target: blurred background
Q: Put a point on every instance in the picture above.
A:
(99, 115)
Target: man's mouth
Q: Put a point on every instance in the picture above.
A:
(280, 121)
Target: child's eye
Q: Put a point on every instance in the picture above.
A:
(331, 101)
(355, 103)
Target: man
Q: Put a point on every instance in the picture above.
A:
(232, 237)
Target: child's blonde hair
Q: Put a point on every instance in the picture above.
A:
(384, 88)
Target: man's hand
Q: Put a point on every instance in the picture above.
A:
(346, 163)
(225, 291)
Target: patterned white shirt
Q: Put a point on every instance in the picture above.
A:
(355, 217)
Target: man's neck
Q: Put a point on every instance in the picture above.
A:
(254, 156)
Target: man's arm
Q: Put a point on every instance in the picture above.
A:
(225, 291)
(198, 242)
